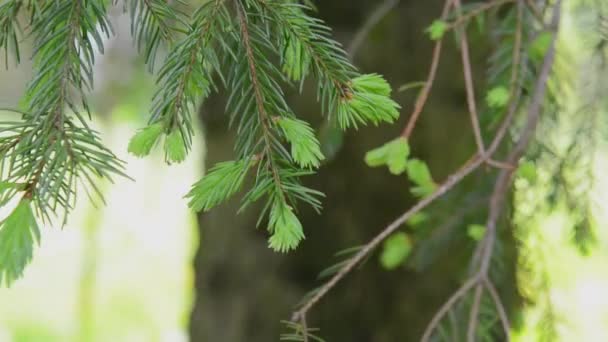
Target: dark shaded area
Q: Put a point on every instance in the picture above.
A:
(244, 289)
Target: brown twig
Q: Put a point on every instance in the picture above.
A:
(500, 189)
(506, 176)
(468, 81)
(445, 308)
(534, 110)
(424, 93)
(502, 313)
(379, 13)
(535, 11)
(478, 10)
(515, 91)
(259, 97)
(428, 85)
(304, 328)
(370, 246)
(473, 319)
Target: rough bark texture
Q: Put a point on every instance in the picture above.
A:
(244, 290)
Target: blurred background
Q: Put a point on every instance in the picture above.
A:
(142, 267)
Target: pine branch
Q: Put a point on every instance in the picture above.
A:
(154, 23)
(9, 27)
(50, 152)
(309, 48)
(260, 101)
(284, 226)
(264, 122)
(184, 80)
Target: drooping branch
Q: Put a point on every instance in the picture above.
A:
(479, 280)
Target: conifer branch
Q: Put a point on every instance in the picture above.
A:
(479, 279)
(51, 151)
(309, 48)
(184, 79)
(153, 23)
(329, 60)
(264, 118)
(505, 177)
(9, 27)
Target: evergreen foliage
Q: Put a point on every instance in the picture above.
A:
(52, 150)
(18, 234)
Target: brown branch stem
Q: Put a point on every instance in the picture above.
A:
(378, 14)
(473, 319)
(469, 86)
(502, 313)
(259, 98)
(501, 187)
(478, 10)
(428, 85)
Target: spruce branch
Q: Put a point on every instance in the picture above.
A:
(284, 226)
(153, 23)
(428, 85)
(52, 151)
(185, 79)
(223, 181)
(479, 279)
(9, 27)
(310, 48)
(264, 122)
(260, 101)
(305, 148)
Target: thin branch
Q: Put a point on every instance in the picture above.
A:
(379, 13)
(502, 313)
(428, 85)
(259, 97)
(468, 81)
(506, 176)
(178, 100)
(474, 315)
(515, 67)
(445, 308)
(478, 10)
(501, 186)
(515, 91)
(304, 328)
(451, 181)
(471, 165)
(534, 110)
(500, 165)
(535, 11)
